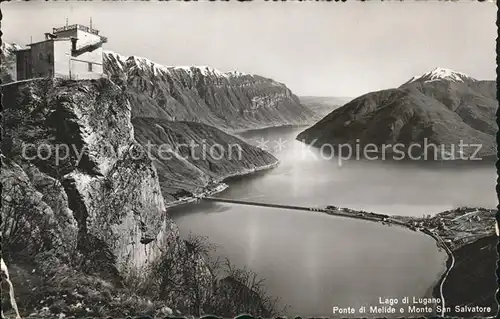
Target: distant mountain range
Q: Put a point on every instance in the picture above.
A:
(442, 106)
(323, 105)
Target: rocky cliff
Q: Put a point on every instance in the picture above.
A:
(78, 138)
(231, 101)
(441, 106)
(84, 222)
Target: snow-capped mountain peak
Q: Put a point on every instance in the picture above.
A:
(439, 74)
(146, 64)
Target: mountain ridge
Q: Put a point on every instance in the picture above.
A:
(231, 101)
(442, 110)
(142, 61)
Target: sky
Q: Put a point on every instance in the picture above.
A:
(315, 48)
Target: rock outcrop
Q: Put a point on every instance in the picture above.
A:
(78, 137)
(35, 218)
(442, 107)
(231, 101)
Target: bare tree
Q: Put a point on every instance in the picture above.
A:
(243, 291)
(185, 277)
(25, 229)
(198, 284)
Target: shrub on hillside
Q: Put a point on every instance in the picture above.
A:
(196, 284)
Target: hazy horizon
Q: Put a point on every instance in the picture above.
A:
(315, 48)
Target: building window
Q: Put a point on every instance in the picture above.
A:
(49, 58)
(40, 56)
(90, 67)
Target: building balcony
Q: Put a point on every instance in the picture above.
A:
(75, 27)
(88, 47)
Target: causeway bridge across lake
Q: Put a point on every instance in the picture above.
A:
(335, 212)
(241, 202)
(387, 220)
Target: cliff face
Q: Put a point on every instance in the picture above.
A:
(231, 101)
(442, 106)
(35, 213)
(193, 156)
(105, 201)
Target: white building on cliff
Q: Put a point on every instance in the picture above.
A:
(73, 52)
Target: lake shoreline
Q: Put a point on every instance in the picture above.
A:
(444, 222)
(393, 220)
(410, 223)
(277, 127)
(220, 185)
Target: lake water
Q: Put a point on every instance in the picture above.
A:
(313, 261)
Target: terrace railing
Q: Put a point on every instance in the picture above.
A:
(74, 27)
